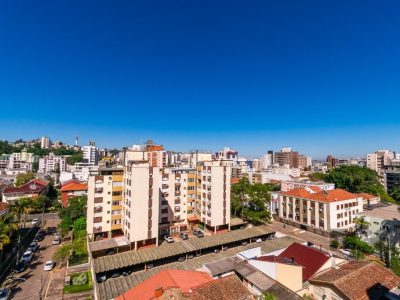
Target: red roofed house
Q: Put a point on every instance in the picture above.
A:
(186, 285)
(295, 265)
(72, 188)
(32, 189)
(323, 209)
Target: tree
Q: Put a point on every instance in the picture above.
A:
(62, 253)
(24, 178)
(335, 244)
(361, 224)
(240, 192)
(395, 194)
(356, 179)
(20, 208)
(78, 157)
(269, 296)
(79, 224)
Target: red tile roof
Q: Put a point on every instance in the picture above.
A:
(166, 279)
(3, 206)
(324, 196)
(310, 258)
(359, 280)
(276, 259)
(74, 186)
(367, 196)
(32, 187)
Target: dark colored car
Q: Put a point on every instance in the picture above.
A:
(21, 266)
(115, 274)
(39, 237)
(183, 235)
(126, 272)
(101, 278)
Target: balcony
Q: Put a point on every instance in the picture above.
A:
(98, 209)
(97, 219)
(116, 226)
(98, 200)
(116, 207)
(177, 209)
(116, 217)
(177, 201)
(165, 194)
(177, 193)
(98, 190)
(165, 186)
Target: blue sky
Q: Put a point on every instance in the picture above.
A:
(320, 76)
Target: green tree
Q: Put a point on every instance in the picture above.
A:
(395, 194)
(74, 158)
(361, 224)
(240, 192)
(335, 244)
(21, 208)
(269, 296)
(24, 178)
(79, 224)
(357, 179)
(63, 253)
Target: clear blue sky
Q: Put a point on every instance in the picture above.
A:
(320, 76)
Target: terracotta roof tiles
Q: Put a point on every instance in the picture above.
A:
(324, 196)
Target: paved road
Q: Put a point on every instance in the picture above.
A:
(36, 280)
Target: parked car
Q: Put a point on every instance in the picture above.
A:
(50, 230)
(183, 235)
(5, 293)
(21, 266)
(35, 222)
(42, 232)
(190, 256)
(224, 248)
(28, 255)
(216, 250)
(115, 274)
(34, 247)
(182, 258)
(168, 239)
(244, 243)
(48, 266)
(56, 241)
(198, 232)
(39, 237)
(126, 272)
(101, 278)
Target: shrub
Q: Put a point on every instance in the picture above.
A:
(353, 242)
(80, 279)
(335, 244)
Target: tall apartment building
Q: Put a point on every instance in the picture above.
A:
(376, 161)
(267, 160)
(142, 202)
(287, 157)
(157, 201)
(213, 194)
(52, 163)
(323, 209)
(44, 142)
(91, 154)
(304, 161)
(105, 203)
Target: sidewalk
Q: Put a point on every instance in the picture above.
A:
(55, 288)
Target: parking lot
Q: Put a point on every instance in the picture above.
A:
(33, 283)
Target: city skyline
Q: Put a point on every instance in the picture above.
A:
(314, 76)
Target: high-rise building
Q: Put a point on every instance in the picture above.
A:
(376, 161)
(267, 160)
(287, 157)
(91, 154)
(52, 163)
(227, 154)
(44, 142)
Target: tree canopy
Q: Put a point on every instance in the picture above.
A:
(356, 179)
(251, 201)
(24, 178)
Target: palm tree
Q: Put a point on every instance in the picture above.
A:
(361, 224)
(21, 208)
(5, 229)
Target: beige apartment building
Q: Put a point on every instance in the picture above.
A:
(323, 209)
(213, 195)
(105, 203)
(143, 202)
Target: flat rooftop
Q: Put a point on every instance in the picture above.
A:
(136, 257)
(388, 212)
(114, 287)
(108, 244)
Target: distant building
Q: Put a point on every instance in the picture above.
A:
(44, 142)
(52, 163)
(376, 161)
(227, 154)
(91, 154)
(287, 157)
(290, 185)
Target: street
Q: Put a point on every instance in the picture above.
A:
(34, 282)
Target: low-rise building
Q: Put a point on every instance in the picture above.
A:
(32, 189)
(323, 209)
(72, 188)
(290, 185)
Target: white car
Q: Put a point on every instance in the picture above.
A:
(168, 239)
(4, 293)
(56, 241)
(48, 266)
(35, 222)
(27, 256)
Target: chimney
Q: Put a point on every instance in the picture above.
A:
(158, 291)
(292, 259)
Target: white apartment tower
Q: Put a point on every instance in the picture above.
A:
(91, 154)
(44, 142)
(52, 163)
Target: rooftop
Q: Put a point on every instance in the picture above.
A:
(117, 286)
(32, 187)
(131, 258)
(310, 258)
(323, 196)
(376, 280)
(74, 186)
(386, 212)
